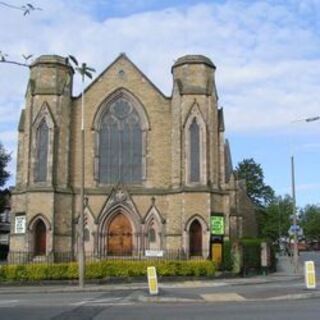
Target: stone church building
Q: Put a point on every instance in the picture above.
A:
(158, 169)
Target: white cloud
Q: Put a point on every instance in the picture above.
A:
(266, 53)
(8, 136)
(308, 186)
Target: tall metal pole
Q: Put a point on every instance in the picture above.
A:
(295, 238)
(81, 255)
(279, 225)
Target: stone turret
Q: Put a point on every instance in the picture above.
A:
(194, 97)
(48, 98)
(51, 75)
(194, 74)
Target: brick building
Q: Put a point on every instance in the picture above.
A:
(157, 168)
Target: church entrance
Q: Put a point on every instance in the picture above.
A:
(40, 239)
(195, 238)
(119, 235)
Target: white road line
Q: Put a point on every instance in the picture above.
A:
(112, 304)
(8, 301)
(100, 301)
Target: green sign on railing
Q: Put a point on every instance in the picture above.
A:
(217, 225)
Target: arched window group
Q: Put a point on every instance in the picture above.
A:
(120, 144)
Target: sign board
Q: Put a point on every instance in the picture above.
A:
(295, 228)
(20, 224)
(309, 275)
(152, 280)
(217, 225)
(154, 253)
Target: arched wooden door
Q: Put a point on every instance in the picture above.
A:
(40, 238)
(119, 236)
(195, 238)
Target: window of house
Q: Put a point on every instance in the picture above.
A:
(120, 144)
(42, 140)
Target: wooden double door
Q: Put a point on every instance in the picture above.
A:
(119, 234)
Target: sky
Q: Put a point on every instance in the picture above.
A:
(267, 55)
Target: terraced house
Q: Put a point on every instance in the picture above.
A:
(158, 172)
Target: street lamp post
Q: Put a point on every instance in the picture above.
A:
(295, 238)
(294, 209)
(84, 71)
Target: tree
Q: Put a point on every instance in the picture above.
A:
(274, 220)
(310, 222)
(4, 160)
(4, 174)
(260, 193)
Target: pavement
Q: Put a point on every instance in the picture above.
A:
(281, 285)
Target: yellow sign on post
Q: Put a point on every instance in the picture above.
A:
(152, 280)
(309, 275)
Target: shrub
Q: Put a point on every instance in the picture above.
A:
(107, 268)
(36, 272)
(227, 259)
(57, 271)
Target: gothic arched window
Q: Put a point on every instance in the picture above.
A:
(120, 144)
(42, 141)
(194, 151)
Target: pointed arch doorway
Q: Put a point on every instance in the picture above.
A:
(40, 238)
(119, 236)
(195, 238)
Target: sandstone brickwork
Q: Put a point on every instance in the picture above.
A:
(166, 207)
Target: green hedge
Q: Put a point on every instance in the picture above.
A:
(227, 260)
(104, 269)
(251, 254)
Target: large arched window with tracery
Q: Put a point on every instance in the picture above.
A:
(42, 142)
(120, 144)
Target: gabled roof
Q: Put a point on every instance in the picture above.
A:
(123, 56)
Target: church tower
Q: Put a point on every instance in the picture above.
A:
(42, 189)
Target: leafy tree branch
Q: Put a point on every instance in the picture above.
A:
(26, 63)
(26, 8)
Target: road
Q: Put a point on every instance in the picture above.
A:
(209, 301)
(314, 256)
(195, 302)
(97, 307)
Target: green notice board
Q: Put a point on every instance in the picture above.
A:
(217, 225)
